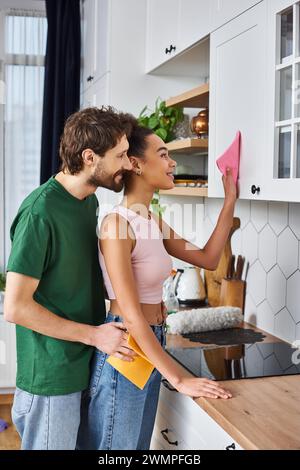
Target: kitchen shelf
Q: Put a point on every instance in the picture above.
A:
(196, 98)
(185, 191)
(188, 146)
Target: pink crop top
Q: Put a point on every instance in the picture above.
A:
(151, 263)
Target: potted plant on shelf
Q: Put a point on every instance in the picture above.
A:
(162, 121)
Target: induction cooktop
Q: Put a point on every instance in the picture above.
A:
(263, 359)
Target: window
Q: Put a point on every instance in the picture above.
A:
(287, 120)
(24, 54)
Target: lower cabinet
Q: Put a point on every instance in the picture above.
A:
(181, 424)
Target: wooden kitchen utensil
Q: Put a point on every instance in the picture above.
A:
(213, 279)
(232, 293)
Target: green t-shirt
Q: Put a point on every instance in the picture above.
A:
(54, 239)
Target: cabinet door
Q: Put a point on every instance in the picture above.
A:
(194, 22)
(283, 167)
(223, 11)
(88, 39)
(95, 39)
(98, 93)
(102, 35)
(162, 31)
(191, 426)
(238, 99)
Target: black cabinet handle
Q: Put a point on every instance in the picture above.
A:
(255, 189)
(164, 433)
(90, 78)
(168, 385)
(231, 447)
(170, 49)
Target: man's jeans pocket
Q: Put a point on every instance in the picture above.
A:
(22, 402)
(97, 364)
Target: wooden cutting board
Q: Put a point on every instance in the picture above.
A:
(213, 279)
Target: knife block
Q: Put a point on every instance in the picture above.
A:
(233, 293)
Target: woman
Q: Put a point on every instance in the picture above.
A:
(135, 250)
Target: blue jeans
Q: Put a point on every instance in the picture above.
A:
(115, 414)
(47, 422)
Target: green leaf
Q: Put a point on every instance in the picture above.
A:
(162, 133)
(153, 122)
(143, 111)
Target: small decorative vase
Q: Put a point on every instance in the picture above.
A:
(182, 129)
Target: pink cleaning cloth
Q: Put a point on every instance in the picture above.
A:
(231, 158)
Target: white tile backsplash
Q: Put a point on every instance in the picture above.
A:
(293, 296)
(257, 280)
(276, 289)
(250, 243)
(267, 248)
(269, 238)
(278, 216)
(287, 252)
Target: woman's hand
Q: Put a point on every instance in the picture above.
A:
(195, 387)
(230, 188)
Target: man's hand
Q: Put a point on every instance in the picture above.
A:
(111, 338)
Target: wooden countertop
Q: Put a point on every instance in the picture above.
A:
(263, 414)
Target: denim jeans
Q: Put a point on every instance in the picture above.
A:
(47, 422)
(115, 414)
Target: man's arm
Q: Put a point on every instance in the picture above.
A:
(21, 308)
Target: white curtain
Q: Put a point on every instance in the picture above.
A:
(25, 47)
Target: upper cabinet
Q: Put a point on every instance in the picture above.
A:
(238, 99)
(173, 26)
(95, 46)
(162, 31)
(223, 11)
(283, 130)
(194, 22)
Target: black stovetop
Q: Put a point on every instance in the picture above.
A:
(260, 359)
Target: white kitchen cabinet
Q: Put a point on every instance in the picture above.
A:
(181, 424)
(162, 31)
(194, 22)
(7, 354)
(238, 89)
(283, 74)
(223, 11)
(174, 26)
(98, 93)
(95, 46)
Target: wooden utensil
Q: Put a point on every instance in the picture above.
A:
(232, 293)
(213, 279)
(240, 267)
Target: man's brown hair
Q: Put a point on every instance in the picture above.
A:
(98, 129)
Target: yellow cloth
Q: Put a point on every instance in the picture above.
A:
(137, 371)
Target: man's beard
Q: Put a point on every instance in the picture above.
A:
(102, 179)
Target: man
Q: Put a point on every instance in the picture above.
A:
(54, 292)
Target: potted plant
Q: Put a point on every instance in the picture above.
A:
(162, 122)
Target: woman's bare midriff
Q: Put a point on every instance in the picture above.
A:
(152, 312)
